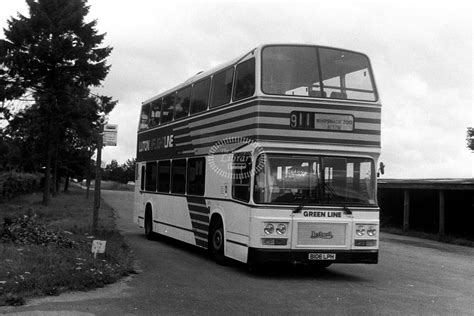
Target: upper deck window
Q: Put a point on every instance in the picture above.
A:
(317, 72)
(244, 80)
(167, 108)
(222, 87)
(144, 117)
(183, 98)
(155, 113)
(200, 96)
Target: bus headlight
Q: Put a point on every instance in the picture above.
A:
(269, 229)
(281, 229)
(371, 231)
(360, 230)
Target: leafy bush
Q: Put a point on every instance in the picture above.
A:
(12, 185)
(46, 250)
(26, 230)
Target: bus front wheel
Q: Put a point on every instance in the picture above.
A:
(216, 242)
(150, 235)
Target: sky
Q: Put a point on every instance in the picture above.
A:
(421, 53)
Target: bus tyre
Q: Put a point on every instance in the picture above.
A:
(216, 242)
(150, 235)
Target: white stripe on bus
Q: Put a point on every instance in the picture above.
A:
(329, 136)
(197, 204)
(201, 238)
(176, 137)
(200, 231)
(280, 109)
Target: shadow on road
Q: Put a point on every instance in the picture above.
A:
(294, 272)
(280, 271)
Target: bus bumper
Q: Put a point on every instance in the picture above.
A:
(258, 255)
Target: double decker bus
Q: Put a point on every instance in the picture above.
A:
(269, 157)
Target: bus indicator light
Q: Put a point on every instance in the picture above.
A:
(274, 241)
(365, 243)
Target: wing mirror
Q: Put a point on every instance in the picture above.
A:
(381, 169)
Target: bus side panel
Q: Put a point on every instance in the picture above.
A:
(171, 217)
(236, 227)
(138, 199)
(235, 216)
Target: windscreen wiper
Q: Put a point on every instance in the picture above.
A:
(301, 205)
(347, 210)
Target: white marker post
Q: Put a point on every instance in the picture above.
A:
(98, 246)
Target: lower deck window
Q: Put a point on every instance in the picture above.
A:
(241, 172)
(178, 176)
(164, 176)
(142, 179)
(150, 181)
(196, 176)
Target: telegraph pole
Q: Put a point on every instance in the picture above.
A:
(98, 178)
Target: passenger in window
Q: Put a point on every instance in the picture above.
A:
(179, 110)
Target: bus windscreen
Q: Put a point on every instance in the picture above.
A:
(314, 180)
(317, 72)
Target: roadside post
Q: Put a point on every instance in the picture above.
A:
(107, 137)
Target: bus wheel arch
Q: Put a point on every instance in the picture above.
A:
(150, 235)
(216, 239)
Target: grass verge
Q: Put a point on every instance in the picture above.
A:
(47, 250)
(110, 185)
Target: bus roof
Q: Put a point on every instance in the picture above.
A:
(203, 74)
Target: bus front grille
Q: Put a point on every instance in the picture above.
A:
(321, 234)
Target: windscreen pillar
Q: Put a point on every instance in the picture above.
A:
(441, 230)
(406, 210)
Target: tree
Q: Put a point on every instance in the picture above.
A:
(113, 171)
(54, 56)
(470, 138)
(129, 170)
(24, 132)
(120, 173)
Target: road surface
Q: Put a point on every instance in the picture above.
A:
(413, 276)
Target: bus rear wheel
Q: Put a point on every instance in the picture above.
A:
(150, 235)
(216, 242)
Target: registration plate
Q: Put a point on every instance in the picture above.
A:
(321, 256)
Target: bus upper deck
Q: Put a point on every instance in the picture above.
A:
(298, 94)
